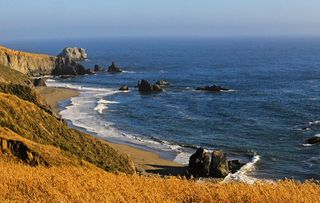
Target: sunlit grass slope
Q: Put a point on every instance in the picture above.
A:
(80, 184)
(31, 122)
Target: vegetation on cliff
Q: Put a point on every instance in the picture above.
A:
(31, 122)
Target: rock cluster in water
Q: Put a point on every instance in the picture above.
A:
(74, 53)
(214, 165)
(145, 86)
(213, 88)
(97, 68)
(313, 140)
(113, 68)
(124, 88)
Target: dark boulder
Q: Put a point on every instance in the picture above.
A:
(313, 140)
(199, 163)
(39, 82)
(219, 167)
(213, 88)
(235, 165)
(145, 86)
(113, 68)
(162, 83)
(124, 88)
(66, 66)
(97, 68)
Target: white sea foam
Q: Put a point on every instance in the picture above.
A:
(103, 104)
(183, 158)
(241, 175)
(125, 71)
(317, 135)
(307, 145)
(314, 123)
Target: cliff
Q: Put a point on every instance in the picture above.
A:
(39, 64)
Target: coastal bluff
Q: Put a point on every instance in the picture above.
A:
(33, 64)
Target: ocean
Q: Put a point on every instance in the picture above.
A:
(274, 105)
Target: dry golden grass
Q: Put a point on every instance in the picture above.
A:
(78, 184)
(21, 53)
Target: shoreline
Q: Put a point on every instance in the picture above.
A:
(146, 162)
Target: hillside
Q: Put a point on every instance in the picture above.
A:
(25, 113)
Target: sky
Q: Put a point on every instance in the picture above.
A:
(24, 19)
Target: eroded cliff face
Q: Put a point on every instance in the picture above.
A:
(39, 64)
(27, 63)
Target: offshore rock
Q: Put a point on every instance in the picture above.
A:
(213, 88)
(124, 88)
(74, 53)
(313, 140)
(145, 86)
(113, 68)
(66, 66)
(97, 68)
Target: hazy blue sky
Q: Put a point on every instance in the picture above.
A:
(103, 18)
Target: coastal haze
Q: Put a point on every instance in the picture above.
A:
(144, 18)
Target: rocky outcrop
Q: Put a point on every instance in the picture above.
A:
(219, 167)
(97, 68)
(124, 88)
(39, 64)
(66, 66)
(113, 68)
(39, 82)
(146, 87)
(313, 140)
(213, 88)
(74, 53)
(21, 151)
(214, 165)
(199, 163)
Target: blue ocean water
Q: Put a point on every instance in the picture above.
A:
(274, 107)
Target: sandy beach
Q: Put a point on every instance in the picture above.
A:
(146, 162)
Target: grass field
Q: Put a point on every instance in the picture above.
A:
(79, 184)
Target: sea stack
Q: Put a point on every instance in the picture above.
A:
(113, 68)
(74, 53)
